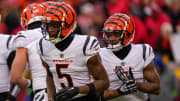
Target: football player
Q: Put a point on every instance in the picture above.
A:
(31, 21)
(129, 66)
(70, 59)
(7, 55)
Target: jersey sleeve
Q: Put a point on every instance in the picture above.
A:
(91, 47)
(149, 54)
(21, 39)
(24, 38)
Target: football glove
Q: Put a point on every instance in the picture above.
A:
(66, 94)
(130, 75)
(127, 88)
(121, 74)
(129, 83)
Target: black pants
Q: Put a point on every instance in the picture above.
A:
(92, 97)
(3, 96)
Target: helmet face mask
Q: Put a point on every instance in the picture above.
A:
(53, 29)
(113, 37)
(118, 31)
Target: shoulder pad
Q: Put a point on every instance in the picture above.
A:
(91, 46)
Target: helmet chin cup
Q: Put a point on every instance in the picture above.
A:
(115, 47)
(55, 40)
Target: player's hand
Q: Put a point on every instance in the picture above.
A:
(130, 75)
(121, 74)
(128, 87)
(129, 83)
(66, 94)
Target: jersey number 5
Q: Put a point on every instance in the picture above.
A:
(63, 75)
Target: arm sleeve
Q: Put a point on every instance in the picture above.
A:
(91, 47)
(149, 55)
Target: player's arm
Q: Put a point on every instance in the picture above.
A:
(18, 67)
(101, 80)
(50, 86)
(95, 68)
(14, 92)
(110, 94)
(153, 81)
(14, 89)
(50, 83)
(128, 86)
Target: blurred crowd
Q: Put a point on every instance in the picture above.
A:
(157, 22)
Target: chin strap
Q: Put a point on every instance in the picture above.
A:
(115, 47)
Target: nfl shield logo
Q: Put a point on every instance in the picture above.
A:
(61, 55)
(122, 63)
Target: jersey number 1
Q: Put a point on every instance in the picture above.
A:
(62, 75)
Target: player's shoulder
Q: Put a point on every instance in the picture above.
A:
(44, 45)
(89, 43)
(85, 37)
(145, 49)
(29, 33)
(104, 50)
(141, 46)
(4, 36)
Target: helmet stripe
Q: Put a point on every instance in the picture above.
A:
(56, 10)
(118, 19)
(122, 17)
(72, 15)
(25, 14)
(30, 8)
(111, 22)
(37, 12)
(60, 6)
(52, 13)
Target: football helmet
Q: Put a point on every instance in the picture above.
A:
(62, 16)
(32, 13)
(49, 3)
(119, 25)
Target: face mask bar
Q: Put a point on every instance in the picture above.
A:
(107, 34)
(57, 37)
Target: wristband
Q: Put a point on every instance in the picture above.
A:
(15, 91)
(29, 83)
(102, 96)
(92, 88)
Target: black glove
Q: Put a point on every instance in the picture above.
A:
(66, 94)
(129, 85)
(121, 74)
(130, 75)
(127, 88)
